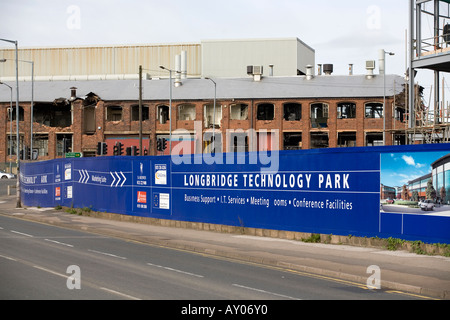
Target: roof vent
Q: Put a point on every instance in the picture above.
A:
(309, 72)
(328, 69)
(370, 66)
(255, 71)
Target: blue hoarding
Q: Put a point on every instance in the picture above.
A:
(329, 191)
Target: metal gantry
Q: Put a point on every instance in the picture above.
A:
(429, 40)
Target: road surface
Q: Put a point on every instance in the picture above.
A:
(39, 261)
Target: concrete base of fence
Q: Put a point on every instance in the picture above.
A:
(391, 244)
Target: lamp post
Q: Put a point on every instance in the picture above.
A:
(18, 204)
(10, 127)
(214, 115)
(32, 104)
(140, 111)
(170, 106)
(382, 57)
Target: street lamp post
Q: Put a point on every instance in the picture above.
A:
(10, 127)
(32, 104)
(18, 204)
(214, 115)
(140, 111)
(382, 57)
(170, 106)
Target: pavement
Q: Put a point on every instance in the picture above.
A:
(409, 273)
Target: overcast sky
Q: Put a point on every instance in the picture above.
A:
(341, 32)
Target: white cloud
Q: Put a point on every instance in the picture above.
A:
(410, 161)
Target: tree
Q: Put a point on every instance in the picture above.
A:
(405, 193)
(443, 194)
(415, 196)
(430, 192)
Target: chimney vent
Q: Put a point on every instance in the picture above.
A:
(328, 69)
(73, 94)
(309, 72)
(370, 66)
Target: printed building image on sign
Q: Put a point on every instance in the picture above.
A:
(414, 182)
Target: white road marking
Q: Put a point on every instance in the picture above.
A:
(264, 291)
(107, 254)
(58, 242)
(21, 233)
(120, 293)
(175, 270)
(51, 271)
(9, 258)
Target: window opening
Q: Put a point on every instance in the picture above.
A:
(319, 140)
(239, 111)
(319, 115)
(265, 111)
(135, 112)
(374, 110)
(346, 110)
(292, 111)
(186, 112)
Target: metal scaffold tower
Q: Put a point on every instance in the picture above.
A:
(429, 48)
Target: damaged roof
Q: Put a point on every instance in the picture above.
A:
(324, 86)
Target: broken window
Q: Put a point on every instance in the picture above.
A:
(346, 110)
(13, 118)
(319, 140)
(12, 144)
(239, 142)
(113, 113)
(56, 114)
(40, 143)
(319, 115)
(292, 140)
(399, 113)
(374, 139)
(210, 121)
(162, 114)
(346, 139)
(374, 110)
(399, 139)
(89, 120)
(239, 111)
(209, 146)
(265, 111)
(63, 144)
(186, 112)
(292, 111)
(135, 112)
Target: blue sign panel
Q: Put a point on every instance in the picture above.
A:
(345, 191)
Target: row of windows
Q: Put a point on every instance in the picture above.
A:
(264, 111)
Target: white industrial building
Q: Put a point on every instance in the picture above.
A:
(208, 58)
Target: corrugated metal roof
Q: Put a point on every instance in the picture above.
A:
(327, 86)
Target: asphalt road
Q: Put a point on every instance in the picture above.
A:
(39, 261)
